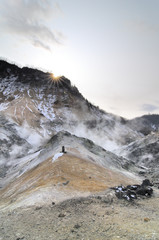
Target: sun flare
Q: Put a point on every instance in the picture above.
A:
(55, 78)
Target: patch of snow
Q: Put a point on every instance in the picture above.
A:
(56, 156)
(8, 86)
(47, 110)
(3, 136)
(128, 198)
(16, 96)
(3, 106)
(40, 96)
(147, 156)
(29, 108)
(44, 103)
(28, 91)
(153, 126)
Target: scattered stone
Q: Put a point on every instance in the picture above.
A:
(146, 219)
(142, 172)
(65, 183)
(38, 208)
(61, 215)
(77, 226)
(53, 203)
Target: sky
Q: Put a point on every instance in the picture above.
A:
(109, 49)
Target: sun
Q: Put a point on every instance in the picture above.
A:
(55, 80)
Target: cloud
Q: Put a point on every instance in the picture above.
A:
(29, 19)
(149, 107)
(37, 43)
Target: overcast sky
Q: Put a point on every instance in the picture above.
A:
(109, 49)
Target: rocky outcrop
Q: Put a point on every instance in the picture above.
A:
(132, 192)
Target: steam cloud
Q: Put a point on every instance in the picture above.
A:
(28, 19)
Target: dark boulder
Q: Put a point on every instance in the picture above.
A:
(146, 183)
(131, 192)
(145, 191)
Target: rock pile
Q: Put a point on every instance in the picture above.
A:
(131, 192)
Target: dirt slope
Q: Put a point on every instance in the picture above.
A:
(69, 174)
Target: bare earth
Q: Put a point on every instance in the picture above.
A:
(71, 199)
(101, 217)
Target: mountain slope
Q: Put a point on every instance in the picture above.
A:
(145, 124)
(36, 110)
(36, 101)
(49, 175)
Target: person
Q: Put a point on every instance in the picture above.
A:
(63, 149)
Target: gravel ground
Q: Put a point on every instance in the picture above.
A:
(99, 217)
